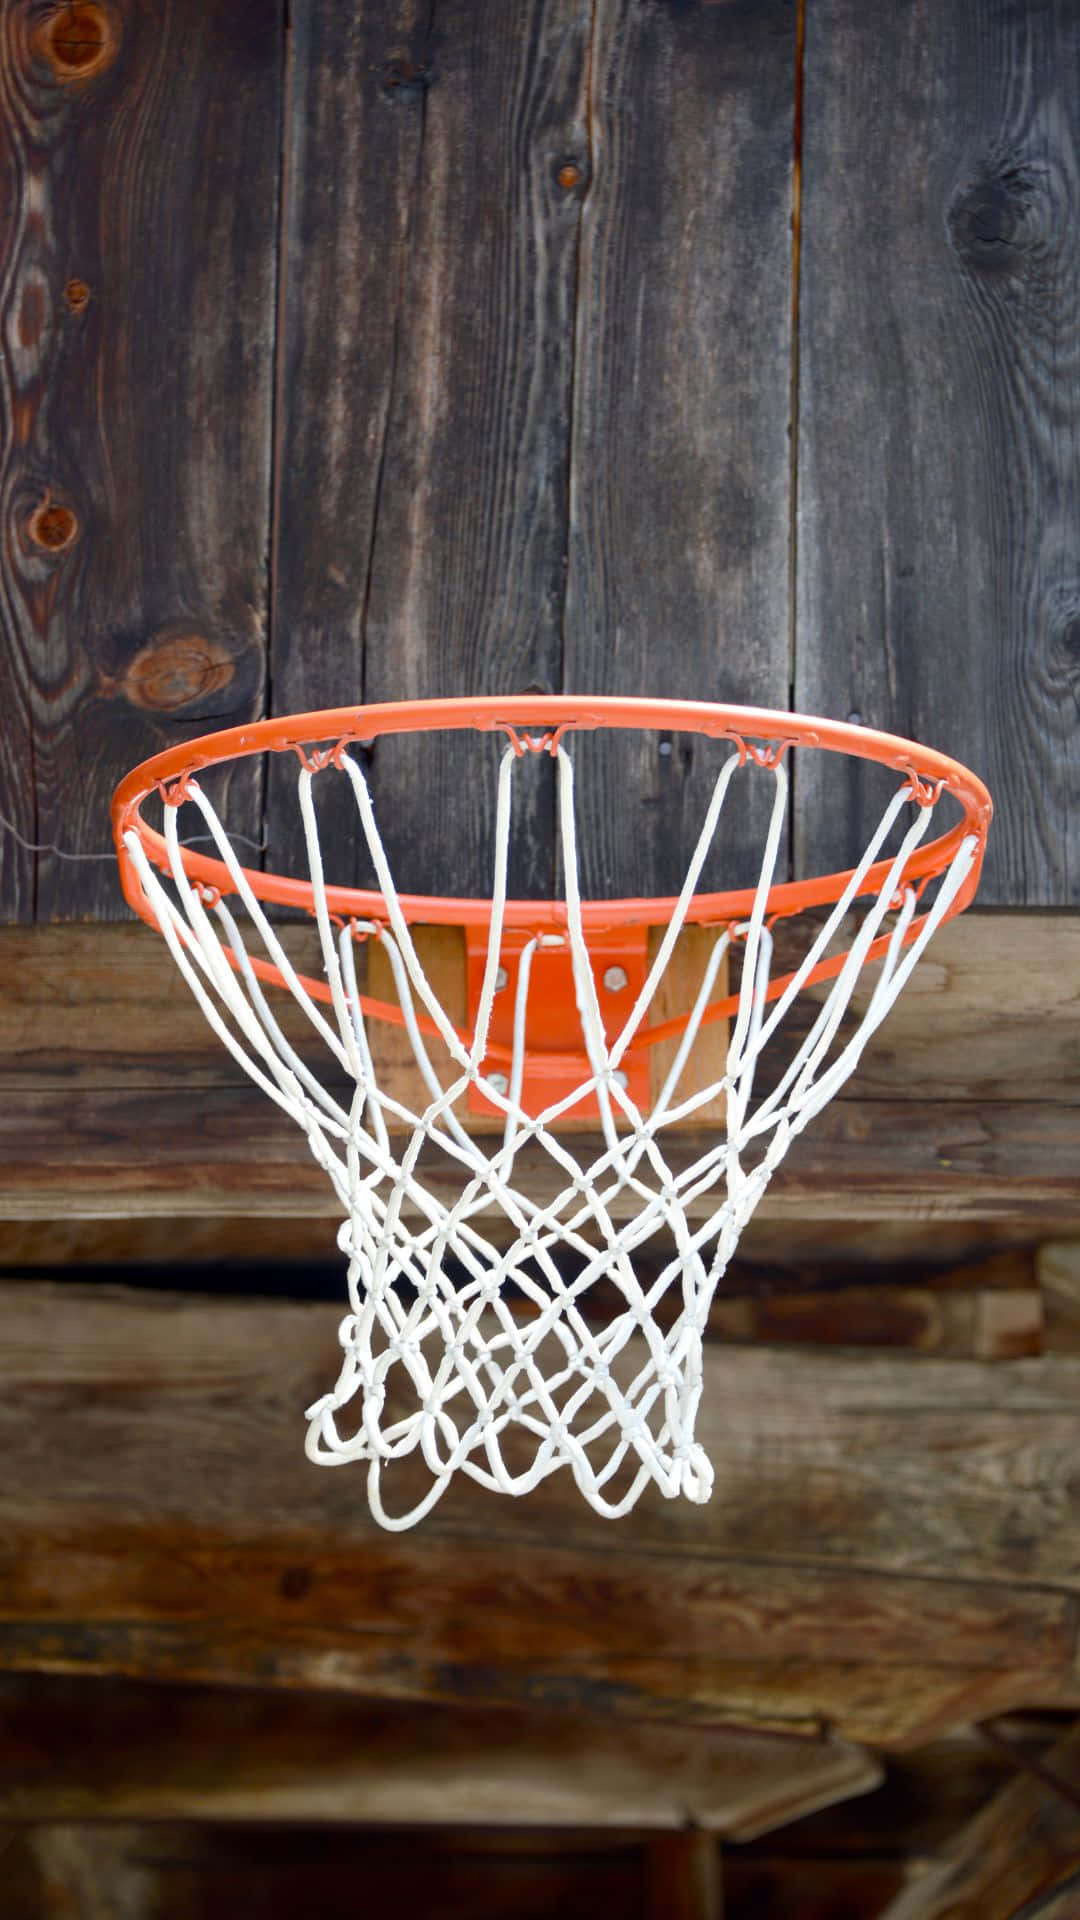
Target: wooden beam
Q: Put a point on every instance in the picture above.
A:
(127, 1103)
(684, 1879)
(213, 1872)
(879, 1556)
(87, 1750)
(991, 1324)
(135, 1025)
(225, 1150)
(775, 1257)
(1014, 1852)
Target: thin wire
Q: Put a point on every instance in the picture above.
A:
(60, 853)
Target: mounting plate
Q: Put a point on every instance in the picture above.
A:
(555, 1057)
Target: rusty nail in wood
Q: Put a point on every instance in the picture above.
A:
(569, 175)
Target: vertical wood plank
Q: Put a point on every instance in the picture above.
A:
(684, 1876)
(678, 559)
(939, 413)
(432, 250)
(139, 154)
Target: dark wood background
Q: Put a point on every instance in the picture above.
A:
(407, 349)
(352, 349)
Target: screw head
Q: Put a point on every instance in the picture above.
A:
(498, 1083)
(615, 979)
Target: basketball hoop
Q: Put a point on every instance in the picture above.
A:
(474, 1341)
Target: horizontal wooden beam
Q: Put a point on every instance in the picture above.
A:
(84, 1750)
(223, 1150)
(881, 1553)
(128, 1871)
(775, 1256)
(119, 1099)
(987, 1324)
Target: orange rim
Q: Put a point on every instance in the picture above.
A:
(758, 733)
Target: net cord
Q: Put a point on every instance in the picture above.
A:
(491, 1342)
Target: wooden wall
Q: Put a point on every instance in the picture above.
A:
(396, 349)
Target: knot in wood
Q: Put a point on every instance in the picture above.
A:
(78, 40)
(176, 670)
(77, 295)
(53, 526)
(995, 223)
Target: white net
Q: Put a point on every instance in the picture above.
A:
(474, 1341)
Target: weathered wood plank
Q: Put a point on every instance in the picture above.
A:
(998, 1324)
(939, 423)
(145, 1107)
(88, 1750)
(1016, 1850)
(140, 158)
(773, 1255)
(427, 427)
(224, 1150)
(161, 1520)
(678, 557)
(992, 1013)
(892, 1707)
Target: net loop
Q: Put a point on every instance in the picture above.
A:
(924, 792)
(523, 742)
(763, 753)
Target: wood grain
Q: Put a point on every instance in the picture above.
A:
(773, 1257)
(992, 1325)
(939, 419)
(226, 1151)
(144, 1114)
(678, 556)
(886, 1555)
(991, 1014)
(136, 314)
(426, 428)
(92, 1750)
